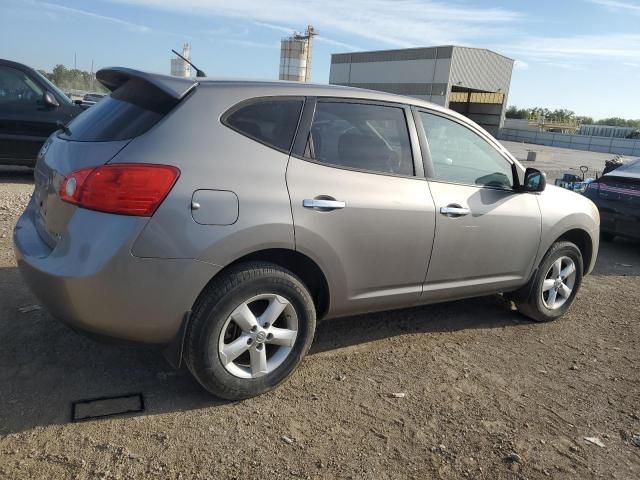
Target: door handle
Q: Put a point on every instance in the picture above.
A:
(323, 204)
(454, 210)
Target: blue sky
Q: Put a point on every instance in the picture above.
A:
(578, 54)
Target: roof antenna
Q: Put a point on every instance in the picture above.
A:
(199, 73)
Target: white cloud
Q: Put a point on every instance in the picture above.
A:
(617, 5)
(563, 65)
(520, 65)
(75, 11)
(616, 47)
(400, 23)
(279, 28)
(336, 43)
(318, 38)
(252, 44)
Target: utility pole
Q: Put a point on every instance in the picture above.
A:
(74, 61)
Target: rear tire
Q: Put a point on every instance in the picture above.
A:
(554, 285)
(249, 330)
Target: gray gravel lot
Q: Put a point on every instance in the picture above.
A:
(556, 161)
(488, 394)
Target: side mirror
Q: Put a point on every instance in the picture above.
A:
(534, 180)
(49, 100)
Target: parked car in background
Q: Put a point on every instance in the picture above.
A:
(223, 219)
(31, 107)
(617, 195)
(90, 99)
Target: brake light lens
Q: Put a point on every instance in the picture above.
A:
(124, 189)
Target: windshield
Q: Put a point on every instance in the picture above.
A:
(51, 86)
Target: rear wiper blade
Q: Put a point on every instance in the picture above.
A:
(63, 127)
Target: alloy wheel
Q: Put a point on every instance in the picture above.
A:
(558, 283)
(258, 336)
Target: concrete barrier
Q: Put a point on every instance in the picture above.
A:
(620, 146)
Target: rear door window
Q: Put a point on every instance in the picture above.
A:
(269, 121)
(361, 136)
(128, 112)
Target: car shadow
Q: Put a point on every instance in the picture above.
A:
(45, 366)
(620, 257)
(18, 175)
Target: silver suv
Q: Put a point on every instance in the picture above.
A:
(223, 219)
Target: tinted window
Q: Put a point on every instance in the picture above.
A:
(18, 87)
(460, 155)
(273, 122)
(366, 137)
(128, 112)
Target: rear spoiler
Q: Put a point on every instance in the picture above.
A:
(174, 87)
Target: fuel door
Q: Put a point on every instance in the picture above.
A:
(214, 207)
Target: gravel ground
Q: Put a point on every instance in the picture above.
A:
(487, 394)
(556, 161)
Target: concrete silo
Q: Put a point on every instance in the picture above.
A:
(180, 68)
(295, 56)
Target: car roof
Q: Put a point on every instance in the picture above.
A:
(629, 169)
(177, 87)
(285, 87)
(12, 64)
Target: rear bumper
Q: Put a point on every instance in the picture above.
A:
(91, 281)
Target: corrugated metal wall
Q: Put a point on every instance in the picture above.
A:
(416, 72)
(429, 74)
(480, 69)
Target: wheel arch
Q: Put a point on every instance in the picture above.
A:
(578, 236)
(583, 241)
(299, 264)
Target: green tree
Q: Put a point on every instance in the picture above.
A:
(584, 120)
(619, 122)
(565, 115)
(73, 79)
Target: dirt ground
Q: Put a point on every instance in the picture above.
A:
(488, 394)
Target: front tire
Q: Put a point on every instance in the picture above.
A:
(554, 286)
(249, 330)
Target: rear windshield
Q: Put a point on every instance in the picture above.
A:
(129, 111)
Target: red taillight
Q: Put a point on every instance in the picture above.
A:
(125, 189)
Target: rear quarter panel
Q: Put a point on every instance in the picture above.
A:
(212, 156)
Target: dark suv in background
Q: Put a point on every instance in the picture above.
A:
(617, 196)
(30, 109)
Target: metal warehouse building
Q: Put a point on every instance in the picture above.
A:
(472, 81)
